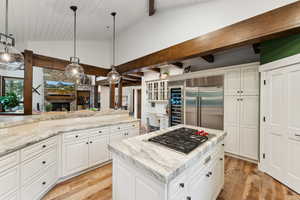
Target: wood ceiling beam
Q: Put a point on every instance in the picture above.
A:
(60, 64)
(276, 23)
(132, 77)
(136, 74)
(151, 7)
(209, 58)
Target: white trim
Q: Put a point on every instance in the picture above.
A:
(284, 62)
(209, 72)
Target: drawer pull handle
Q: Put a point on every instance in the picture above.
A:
(44, 146)
(44, 183)
(189, 198)
(181, 185)
(99, 131)
(297, 135)
(221, 159)
(44, 162)
(207, 160)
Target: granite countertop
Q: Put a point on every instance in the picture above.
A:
(17, 137)
(158, 161)
(7, 121)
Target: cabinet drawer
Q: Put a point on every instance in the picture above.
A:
(120, 127)
(207, 159)
(38, 148)
(36, 165)
(14, 196)
(9, 181)
(134, 125)
(75, 136)
(177, 186)
(41, 184)
(99, 131)
(9, 161)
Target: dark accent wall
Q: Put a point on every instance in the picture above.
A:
(277, 49)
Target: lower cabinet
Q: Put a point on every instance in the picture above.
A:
(204, 181)
(75, 156)
(9, 182)
(98, 150)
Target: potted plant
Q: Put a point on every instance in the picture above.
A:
(9, 101)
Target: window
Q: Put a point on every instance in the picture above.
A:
(14, 85)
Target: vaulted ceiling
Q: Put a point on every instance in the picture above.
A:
(42, 20)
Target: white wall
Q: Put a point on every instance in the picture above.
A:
(96, 53)
(170, 27)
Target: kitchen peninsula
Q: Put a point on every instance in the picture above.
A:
(37, 152)
(146, 170)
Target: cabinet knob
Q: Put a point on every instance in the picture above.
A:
(44, 146)
(188, 198)
(297, 135)
(87, 142)
(44, 162)
(242, 91)
(76, 136)
(99, 131)
(44, 183)
(210, 173)
(207, 175)
(238, 91)
(181, 185)
(221, 159)
(91, 142)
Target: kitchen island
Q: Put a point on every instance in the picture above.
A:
(150, 171)
(37, 152)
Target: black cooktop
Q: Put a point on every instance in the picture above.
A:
(183, 140)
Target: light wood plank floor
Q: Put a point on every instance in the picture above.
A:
(243, 181)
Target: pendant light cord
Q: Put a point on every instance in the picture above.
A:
(75, 35)
(114, 38)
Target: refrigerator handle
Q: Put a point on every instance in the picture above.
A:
(199, 111)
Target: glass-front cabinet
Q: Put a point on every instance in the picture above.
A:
(157, 90)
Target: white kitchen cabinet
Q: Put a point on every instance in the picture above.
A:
(242, 81)
(200, 187)
(75, 156)
(232, 82)
(281, 144)
(98, 150)
(9, 182)
(241, 111)
(157, 90)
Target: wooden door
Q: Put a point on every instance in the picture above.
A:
(139, 103)
(98, 150)
(275, 130)
(293, 123)
(232, 82)
(75, 156)
(250, 81)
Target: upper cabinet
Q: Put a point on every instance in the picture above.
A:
(242, 81)
(157, 90)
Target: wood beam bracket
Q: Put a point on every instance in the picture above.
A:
(209, 58)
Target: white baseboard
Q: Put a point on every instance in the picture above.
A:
(241, 158)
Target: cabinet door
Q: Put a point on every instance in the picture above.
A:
(231, 123)
(9, 182)
(179, 197)
(217, 177)
(200, 187)
(249, 142)
(123, 182)
(232, 82)
(293, 137)
(249, 111)
(98, 150)
(231, 110)
(75, 156)
(250, 81)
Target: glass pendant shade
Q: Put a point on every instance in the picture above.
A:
(113, 76)
(74, 70)
(10, 58)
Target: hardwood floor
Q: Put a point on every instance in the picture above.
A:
(243, 181)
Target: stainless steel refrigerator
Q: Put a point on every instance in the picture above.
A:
(204, 102)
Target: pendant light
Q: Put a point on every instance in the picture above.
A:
(10, 58)
(74, 70)
(113, 76)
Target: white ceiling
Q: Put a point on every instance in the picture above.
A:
(42, 20)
